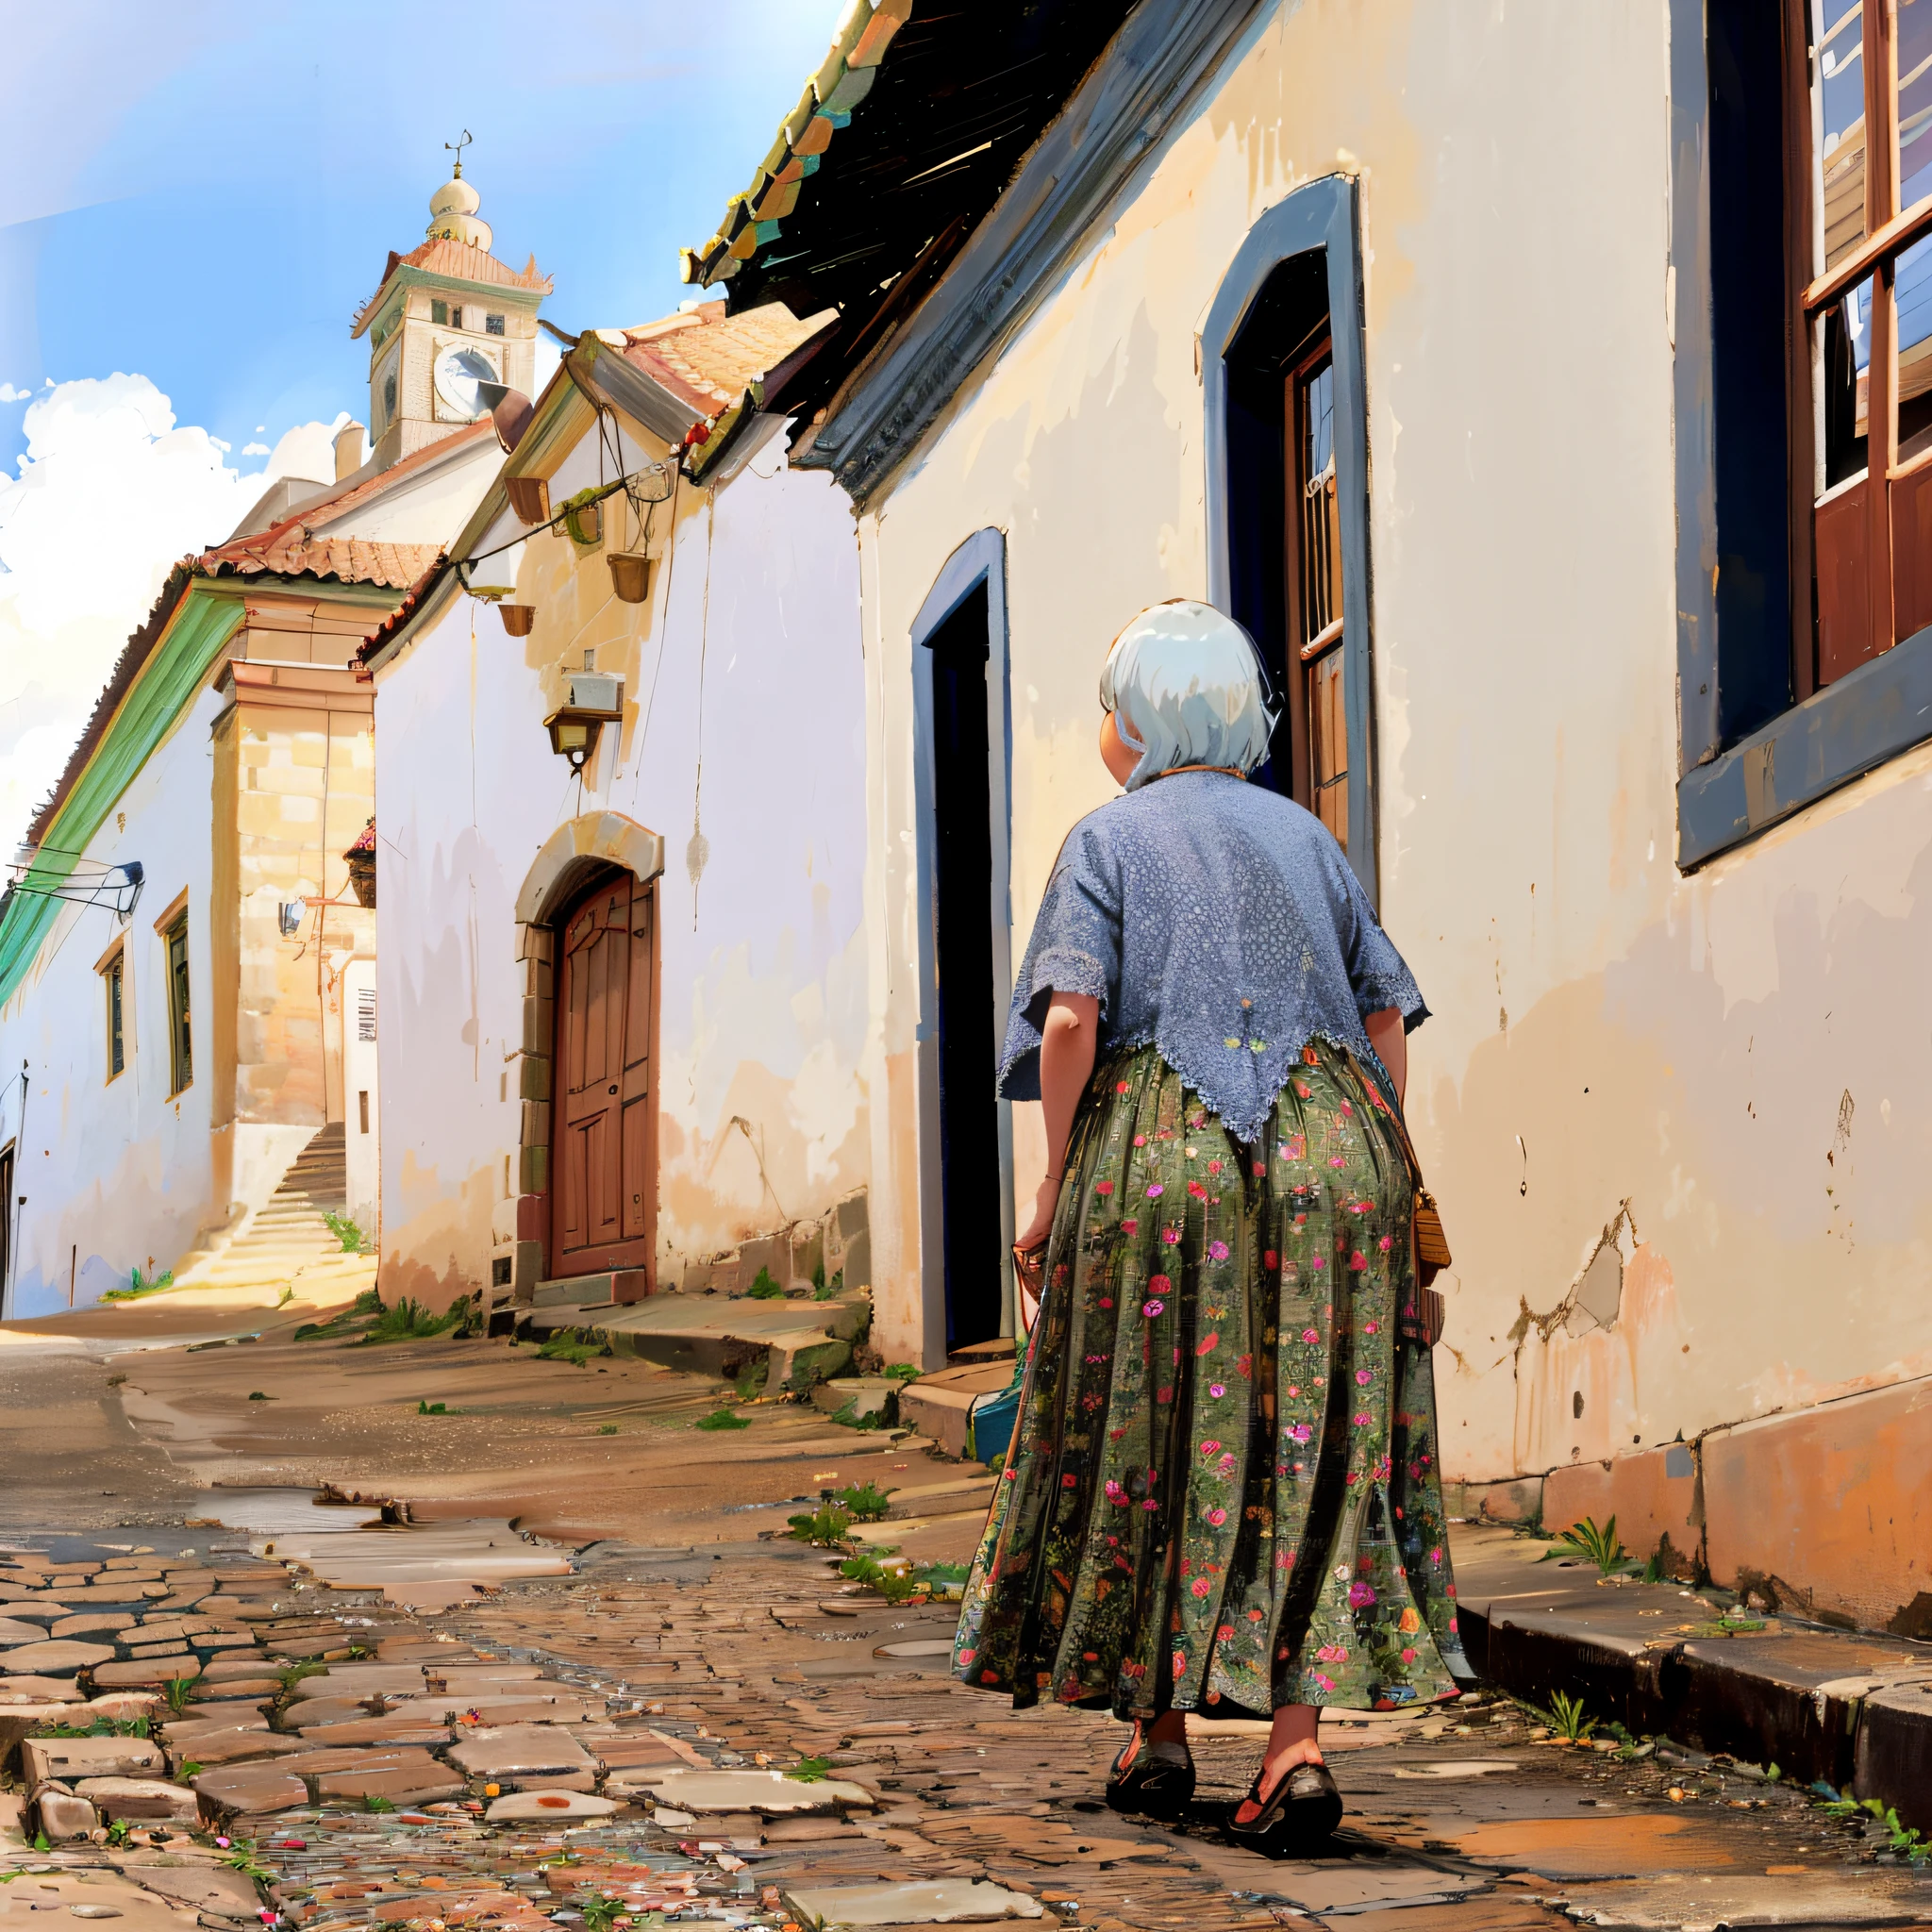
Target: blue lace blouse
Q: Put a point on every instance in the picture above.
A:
(1219, 921)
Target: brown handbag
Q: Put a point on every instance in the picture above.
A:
(1425, 1320)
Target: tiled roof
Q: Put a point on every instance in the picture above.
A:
(461, 261)
(399, 615)
(708, 358)
(285, 549)
(332, 509)
(288, 550)
(844, 79)
(900, 146)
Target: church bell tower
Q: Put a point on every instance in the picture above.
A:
(448, 318)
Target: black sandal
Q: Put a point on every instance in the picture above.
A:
(1158, 1783)
(1303, 1809)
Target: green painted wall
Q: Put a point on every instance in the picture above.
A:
(202, 626)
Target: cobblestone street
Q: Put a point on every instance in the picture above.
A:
(442, 1724)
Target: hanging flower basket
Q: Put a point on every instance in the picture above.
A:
(630, 575)
(517, 618)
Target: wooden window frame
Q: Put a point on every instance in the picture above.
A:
(1835, 729)
(1321, 219)
(112, 966)
(180, 1018)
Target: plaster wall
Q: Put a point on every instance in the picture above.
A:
(745, 665)
(1678, 1125)
(430, 506)
(118, 1174)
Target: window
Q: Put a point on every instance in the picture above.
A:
(113, 980)
(180, 1035)
(493, 324)
(1821, 231)
(389, 398)
(456, 318)
(439, 311)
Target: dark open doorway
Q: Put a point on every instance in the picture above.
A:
(970, 1182)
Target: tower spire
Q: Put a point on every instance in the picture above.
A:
(456, 147)
(453, 207)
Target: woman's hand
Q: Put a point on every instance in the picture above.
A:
(1033, 1236)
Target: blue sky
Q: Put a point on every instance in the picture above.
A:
(203, 193)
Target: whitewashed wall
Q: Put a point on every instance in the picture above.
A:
(117, 1175)
(763, 996)
(1732, 1057)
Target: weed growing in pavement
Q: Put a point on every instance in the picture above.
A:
(287, 1295)
(409, 1322)
(848, 1417)
(139, 1285)
(811, 1771)
(600, 1912)
(564, 1348)
(1568, 1720)
(863, 1502)
(1910, 1845)
(375, 1801)
(723, 1418)
(100, 1727)
(255, 1395)
(176, 1691)
(119, 1832)
(765, 1288)
(190, 1766)
(899, 1371)
(242, 1859)
(1598, 1547)
(368, 1303)
(344, 1231)
(823, 1528)
(607, 1428)
(425, 1407)
(900, 1582)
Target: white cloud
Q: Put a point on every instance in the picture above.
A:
(10, 394)
(110, 493)
(255, 449)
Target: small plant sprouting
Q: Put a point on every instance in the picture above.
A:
(723, 1418)
(607, 1428)
(255, 1395)
(899, 1371)
(373, 1801)
(1567, 1718)
(176, 1691)
(409, 1322)
(811, 1771)
(1910, 1845)
(863, 1502)
(823, 1528)
(1594, 1545)
(344, 1231)
(765, 1288)
(600, 1913)
(139, 1285)
(426, 1408)
(564, 1348)
(288, 1295)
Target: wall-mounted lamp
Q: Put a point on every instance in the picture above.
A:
(597, 699)
(289, 917)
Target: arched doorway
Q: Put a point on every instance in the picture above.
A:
(603, 1210)
(586, 1181)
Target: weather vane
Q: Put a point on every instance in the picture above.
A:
(456, 147)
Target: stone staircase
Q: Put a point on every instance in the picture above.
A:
(286, 1242)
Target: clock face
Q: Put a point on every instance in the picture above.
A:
(458, 371)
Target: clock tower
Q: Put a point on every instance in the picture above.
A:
(448, 317)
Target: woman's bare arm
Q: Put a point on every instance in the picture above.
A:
(1390, 1039)
(1068, 1043)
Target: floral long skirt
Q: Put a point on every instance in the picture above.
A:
(1224, 1491)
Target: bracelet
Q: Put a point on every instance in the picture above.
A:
(1057, 1177)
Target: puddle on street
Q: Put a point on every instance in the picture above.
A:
(350, 1546)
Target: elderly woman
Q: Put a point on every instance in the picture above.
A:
(1223, 1494)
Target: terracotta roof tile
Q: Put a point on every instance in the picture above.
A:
(462, 262)
(707, 360)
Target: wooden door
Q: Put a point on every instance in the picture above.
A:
(604, 1116)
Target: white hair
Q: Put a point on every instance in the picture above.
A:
(1185, 684)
